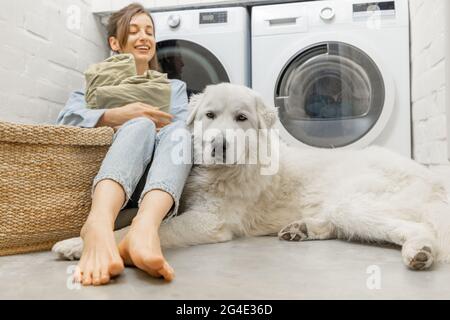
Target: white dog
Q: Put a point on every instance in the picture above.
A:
(368, 195)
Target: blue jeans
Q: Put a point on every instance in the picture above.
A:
(141, 160)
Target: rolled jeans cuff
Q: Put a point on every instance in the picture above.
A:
(164, 187)
(120, 181)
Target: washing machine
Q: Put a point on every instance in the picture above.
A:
(339, 72)
(204, 46)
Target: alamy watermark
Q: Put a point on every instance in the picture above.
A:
(373, 282)
(374, 20)
(73, 21)
(227, 147)
(71, 282)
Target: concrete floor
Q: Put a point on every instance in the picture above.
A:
(255, 268)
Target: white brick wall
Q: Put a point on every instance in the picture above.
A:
(428, 55)
(41, 59)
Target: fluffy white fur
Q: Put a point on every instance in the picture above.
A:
(367, 195)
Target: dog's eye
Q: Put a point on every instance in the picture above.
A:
(241, 117)
(210, 115)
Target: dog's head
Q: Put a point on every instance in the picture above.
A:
(224, 120)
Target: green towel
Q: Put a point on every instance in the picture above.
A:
(114, 83)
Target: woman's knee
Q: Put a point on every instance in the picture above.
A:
(141, 122)
(136, 131)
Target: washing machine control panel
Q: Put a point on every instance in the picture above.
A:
(213, 17)
(371, 8)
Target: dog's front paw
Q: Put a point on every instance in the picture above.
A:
(296, 231)
(70, 249)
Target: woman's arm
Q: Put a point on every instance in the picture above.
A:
(179, 101)
(75, 113)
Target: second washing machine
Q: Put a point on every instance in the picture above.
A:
(204, 46)
(339, 71)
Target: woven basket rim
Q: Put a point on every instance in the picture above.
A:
(55, 134)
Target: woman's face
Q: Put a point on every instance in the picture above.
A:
(141, 40)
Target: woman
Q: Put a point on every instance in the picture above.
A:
(141, 151)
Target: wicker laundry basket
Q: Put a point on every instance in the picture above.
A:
(46, 174)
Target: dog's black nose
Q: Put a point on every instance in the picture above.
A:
(219, 148)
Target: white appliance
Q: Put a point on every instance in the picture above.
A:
(337, 70)
(204, 46)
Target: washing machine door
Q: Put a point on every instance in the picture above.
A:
(191, 63)
(330, 95)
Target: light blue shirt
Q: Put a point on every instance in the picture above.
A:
(76, 114)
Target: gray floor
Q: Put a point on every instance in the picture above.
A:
(257, 268)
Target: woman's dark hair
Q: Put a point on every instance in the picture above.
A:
(119, 27)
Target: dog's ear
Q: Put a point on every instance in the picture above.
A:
(194, 105)
(267, 115)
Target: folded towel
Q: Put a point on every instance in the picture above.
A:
(114, 83)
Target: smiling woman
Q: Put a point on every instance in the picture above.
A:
(138, 170)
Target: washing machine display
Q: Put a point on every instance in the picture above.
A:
(213, 17)
(364, 9)
(191, 63)
(331, 94)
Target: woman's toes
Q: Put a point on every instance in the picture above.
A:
(87, 278)
(78, 275)
(96, 282)
(167, 272)
(96, 278)
(104, 278)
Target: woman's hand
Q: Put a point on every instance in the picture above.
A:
(116, 117)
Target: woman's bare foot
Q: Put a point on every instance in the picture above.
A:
(100, 260)
(141, 248)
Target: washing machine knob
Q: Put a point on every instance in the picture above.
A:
(174, 21)
(327, 13)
